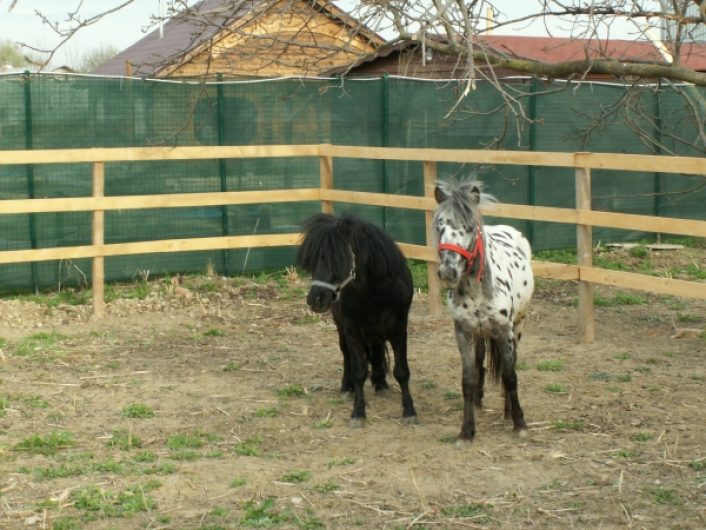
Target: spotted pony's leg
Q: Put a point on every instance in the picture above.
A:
(506, 345)
(469, 379)
(480, 359)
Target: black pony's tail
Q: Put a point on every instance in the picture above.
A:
(385, 359)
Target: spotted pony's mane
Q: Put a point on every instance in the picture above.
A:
(465, 197)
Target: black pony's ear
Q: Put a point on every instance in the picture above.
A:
(475, 194)
(440, 195)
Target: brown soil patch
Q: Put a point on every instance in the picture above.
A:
(616, 438)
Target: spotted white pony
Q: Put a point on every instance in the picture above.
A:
(488, 274)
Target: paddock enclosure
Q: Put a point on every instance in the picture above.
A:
(214, 403)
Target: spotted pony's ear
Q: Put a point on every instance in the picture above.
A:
(475, 194)
(440, 195)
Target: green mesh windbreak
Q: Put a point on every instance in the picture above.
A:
(54, 112)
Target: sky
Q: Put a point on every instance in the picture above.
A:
(131, 23)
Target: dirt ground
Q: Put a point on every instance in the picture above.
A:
(237, 422)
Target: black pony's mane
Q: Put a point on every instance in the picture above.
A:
(333, 238)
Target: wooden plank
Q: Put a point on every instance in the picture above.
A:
(532, 213)
(644, 223)
(379, 199)
(433, 283)
(326, 179)
(555, 271)
(643, 282)
(173, 200)
(149, 247)
(584, 257)
(646, 163)
(481, 156)
(419, 252)
(98, 231)
(133, 154)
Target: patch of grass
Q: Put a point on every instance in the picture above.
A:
(213, 332)
(448, 439)
(249, 447)
(618, 299)
(306, 319)
(420, 278)
(237, 482)
(138, 410)
(185, 455)
(642, 437)
(451, 394)
(640, 251)
(63, 297)
(325, 423)
(624, 356)
(574, 425)
(296, 477)
(4, 405)
(267, 412)
(428, 384)
(232, 366)
(326, 487)
(59, 471)
(34, 402)
(66, 523)
(107, 503)
(466, 510)
(522, 365)
(553, 365)
(698, 465)
(195, 440)
(124, 440)
(46, 445)
(39, 344)
(340, 462)
(567, 256)
(556, 388)
(261, 514)
(662, 495)
(144, 457)
(291, 391)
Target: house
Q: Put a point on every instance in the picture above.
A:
(415, 59)
(260, 38)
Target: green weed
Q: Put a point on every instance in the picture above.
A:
(618, 299)
(555, 365)
(237, 482)
(466, 510)
(38, 345)
(261, 514)
(47, 445)
(642, 437)
(291, 391)
(249, 447)
(267, 412)
(698, 465)
(325, 423)
(326, 487)
(556, 388)
(107, 503)
(561, 425)
(296, 477)
(666, 496)
(124, 440)
(138, 410)
(213, 332)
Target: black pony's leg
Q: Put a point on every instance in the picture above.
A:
(346, 380)
(507, 348)
(469, 380)
(480, 359)
(378, 363)
(358, 373)
(401, 371)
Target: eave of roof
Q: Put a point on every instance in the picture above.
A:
(180, 38)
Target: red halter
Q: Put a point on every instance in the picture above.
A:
(477, 252)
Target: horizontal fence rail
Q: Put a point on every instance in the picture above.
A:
(582, 216)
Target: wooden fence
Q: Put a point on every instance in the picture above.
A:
(582, 216)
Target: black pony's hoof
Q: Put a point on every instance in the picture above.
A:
(410, 420)
(463, 443)
(356, 423)
(521, 430)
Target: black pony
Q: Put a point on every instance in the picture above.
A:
(360, 274)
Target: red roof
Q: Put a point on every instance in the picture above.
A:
(558, 49)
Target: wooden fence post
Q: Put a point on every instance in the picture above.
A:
(432, 278)
(326, 176)
(98, 227)
(584, 255)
